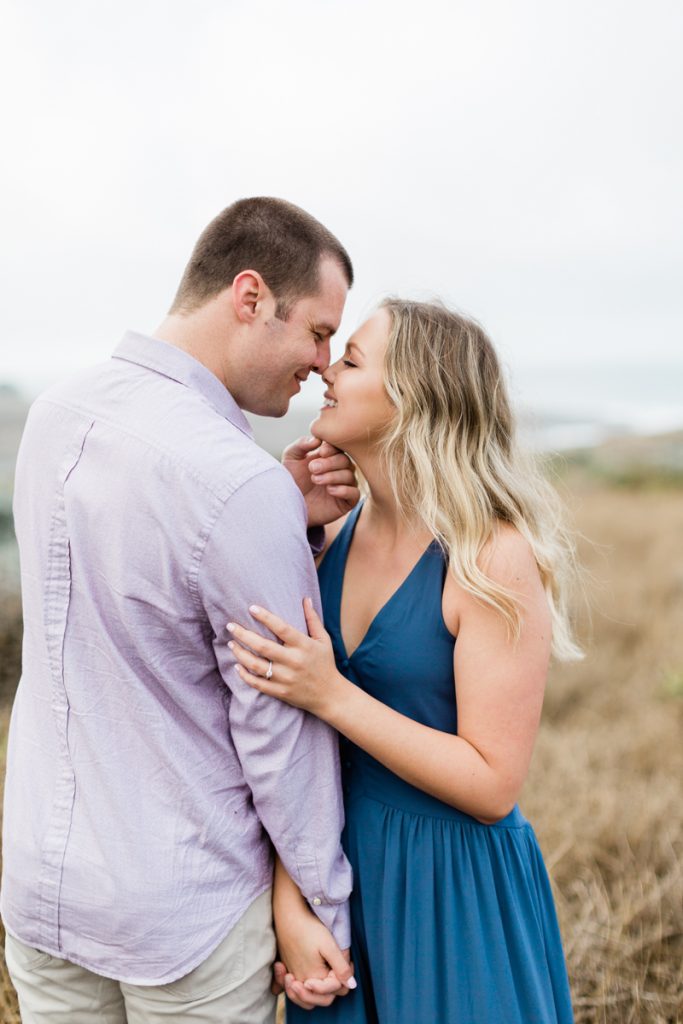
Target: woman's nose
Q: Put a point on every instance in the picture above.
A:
(331, 372)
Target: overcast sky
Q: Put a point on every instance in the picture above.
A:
(523, 160)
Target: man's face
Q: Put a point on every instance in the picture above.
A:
(290, 349)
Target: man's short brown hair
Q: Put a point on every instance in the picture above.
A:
(279, 240)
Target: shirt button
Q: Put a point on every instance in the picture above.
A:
(316, 901)
(345, 663)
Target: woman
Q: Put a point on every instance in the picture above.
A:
(448, 581)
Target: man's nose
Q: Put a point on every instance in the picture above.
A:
(322, 357)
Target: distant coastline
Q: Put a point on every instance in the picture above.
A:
(560, 409)
(580, 406)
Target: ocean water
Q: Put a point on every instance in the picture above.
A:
(558, 407)
(565, 407)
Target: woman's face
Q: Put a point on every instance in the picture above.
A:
(357, 407)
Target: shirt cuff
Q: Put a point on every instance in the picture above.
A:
(337, 919)
(316, 539)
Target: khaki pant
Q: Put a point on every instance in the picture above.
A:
(232, 986)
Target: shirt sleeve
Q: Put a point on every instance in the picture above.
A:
(258, 553)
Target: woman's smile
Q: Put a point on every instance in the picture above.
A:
(357, 381)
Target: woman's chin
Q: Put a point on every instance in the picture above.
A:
(324, 431)
(317, 428)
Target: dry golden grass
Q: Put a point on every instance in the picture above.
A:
(605, 790)
(606, 783)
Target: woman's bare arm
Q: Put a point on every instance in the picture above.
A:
(500, 685)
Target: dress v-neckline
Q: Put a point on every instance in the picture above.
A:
(340, 593)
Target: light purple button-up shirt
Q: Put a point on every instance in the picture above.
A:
(143, 774)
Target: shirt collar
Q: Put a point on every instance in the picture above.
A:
(164, 358)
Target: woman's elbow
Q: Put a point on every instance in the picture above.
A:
(499, 804)
(494, 819)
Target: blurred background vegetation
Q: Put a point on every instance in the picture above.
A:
(604, 793)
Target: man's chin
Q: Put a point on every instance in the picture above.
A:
(270, 410)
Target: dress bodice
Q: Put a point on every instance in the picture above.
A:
(406, 656)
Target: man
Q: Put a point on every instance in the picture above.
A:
(144, 778)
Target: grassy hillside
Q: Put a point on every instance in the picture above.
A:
(605, 790)
(606, 785)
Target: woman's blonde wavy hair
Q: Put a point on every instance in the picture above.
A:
(454, 465)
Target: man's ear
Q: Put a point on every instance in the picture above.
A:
(249, 291)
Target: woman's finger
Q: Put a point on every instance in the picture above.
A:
(257, 666)
(268, 649)
(315, 625)
(339, 962)
(267, 686)
(278, 626)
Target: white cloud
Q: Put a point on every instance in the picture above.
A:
(521, 159)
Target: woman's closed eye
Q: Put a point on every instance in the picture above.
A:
(347, 362)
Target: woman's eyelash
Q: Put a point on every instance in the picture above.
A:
(347, 362)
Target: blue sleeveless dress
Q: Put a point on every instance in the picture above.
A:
(453, 922)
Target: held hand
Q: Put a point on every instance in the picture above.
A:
(316, 991)
(325, 476)
(317, 970)
(300, 670)
(279, 973)
(312, 992)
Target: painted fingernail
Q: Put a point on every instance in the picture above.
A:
(254, 608)
(230, 644)
(231, 627)
(352, 983)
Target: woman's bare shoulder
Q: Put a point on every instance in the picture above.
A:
(508, 559)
